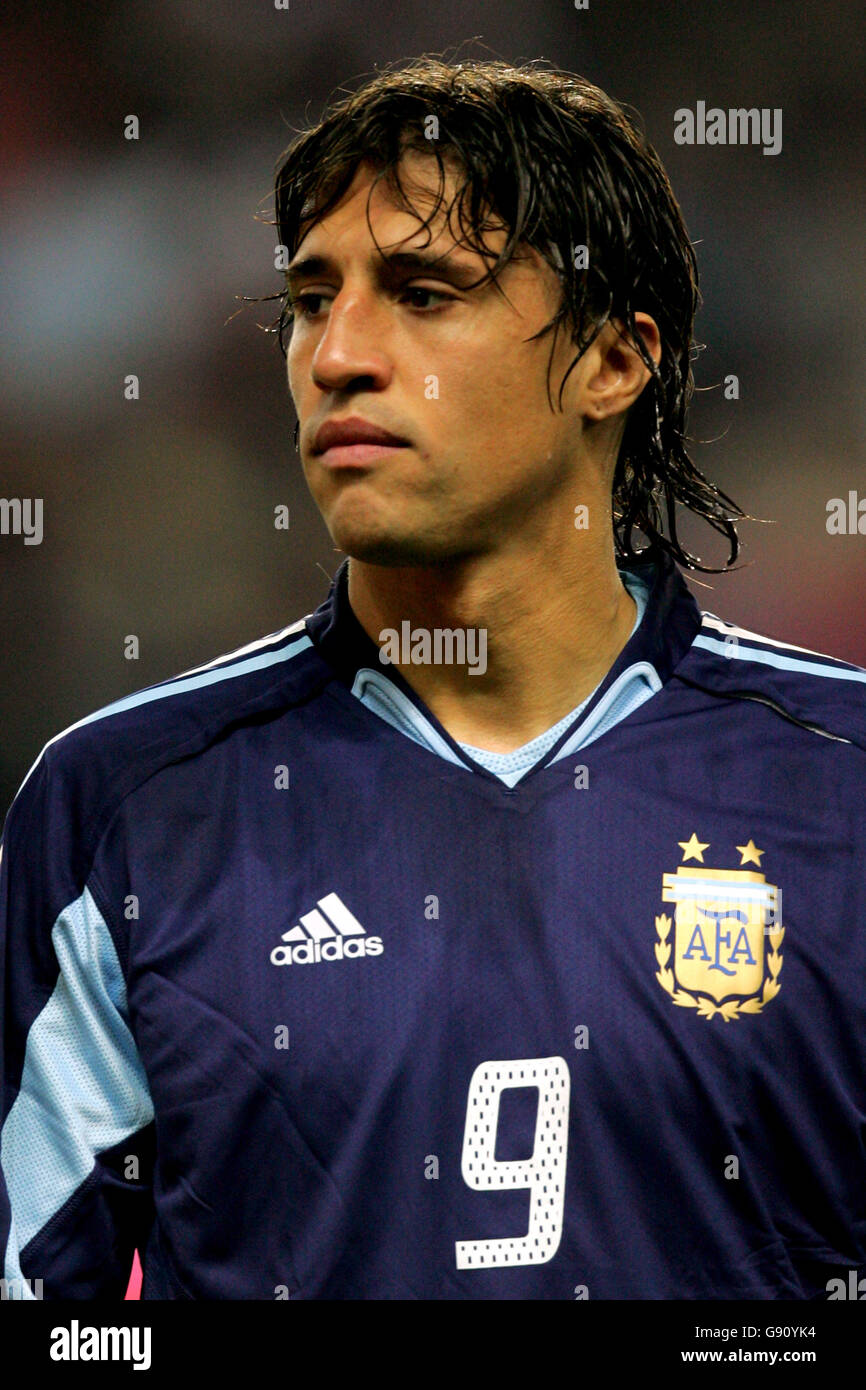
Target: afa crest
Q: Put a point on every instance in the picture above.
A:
(722, 956)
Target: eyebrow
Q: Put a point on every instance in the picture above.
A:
(388, 265)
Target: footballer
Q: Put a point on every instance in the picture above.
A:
(433, 947)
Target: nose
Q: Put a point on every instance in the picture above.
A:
(350, 349)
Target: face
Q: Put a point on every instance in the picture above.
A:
(408, 347)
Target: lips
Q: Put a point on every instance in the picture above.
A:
(339, 433)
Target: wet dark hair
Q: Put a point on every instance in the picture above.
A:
(561, 166)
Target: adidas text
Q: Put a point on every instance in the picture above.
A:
(329, 932)
(309, 952)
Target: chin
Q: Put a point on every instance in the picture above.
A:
(392, 551)
(381, 540)
(380, 546)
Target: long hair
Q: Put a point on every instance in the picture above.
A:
(562, 167)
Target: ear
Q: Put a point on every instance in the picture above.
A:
(618, 373)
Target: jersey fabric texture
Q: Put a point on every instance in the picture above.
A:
(304, 1002)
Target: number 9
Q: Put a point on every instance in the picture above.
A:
(543, 1172)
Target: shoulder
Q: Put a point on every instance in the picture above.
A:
(83, 773)
(810, 687)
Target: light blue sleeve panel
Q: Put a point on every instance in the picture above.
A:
(83, 1088)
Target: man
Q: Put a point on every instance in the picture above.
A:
(432, 947)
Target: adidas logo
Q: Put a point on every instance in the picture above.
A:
(319, 939)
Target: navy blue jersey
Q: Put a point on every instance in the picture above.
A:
(305, 1003)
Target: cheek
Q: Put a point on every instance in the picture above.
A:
(292, 373)
(508, 378)
(500, 406)
(478, 393)
(297, 364)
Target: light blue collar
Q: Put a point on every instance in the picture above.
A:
(635, 685)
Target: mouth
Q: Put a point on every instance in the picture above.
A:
(354, 443)
(357, 455)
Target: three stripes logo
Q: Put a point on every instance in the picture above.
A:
(329, 932)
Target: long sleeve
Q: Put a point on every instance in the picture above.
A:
(77, 1138)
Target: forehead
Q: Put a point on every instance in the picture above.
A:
(430, 197)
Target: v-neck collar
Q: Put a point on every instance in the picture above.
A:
(670, 623)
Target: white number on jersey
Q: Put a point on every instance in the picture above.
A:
(543, 1172)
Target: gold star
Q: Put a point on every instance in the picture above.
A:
(751, 854)
(692, 848)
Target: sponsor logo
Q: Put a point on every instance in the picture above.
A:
(330, 932)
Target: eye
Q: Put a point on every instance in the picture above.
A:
(425, 290)
(305, 306)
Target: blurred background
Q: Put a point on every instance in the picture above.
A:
(122, 256)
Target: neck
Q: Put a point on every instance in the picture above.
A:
(542, 629)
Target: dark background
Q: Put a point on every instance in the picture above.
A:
(126, 256)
